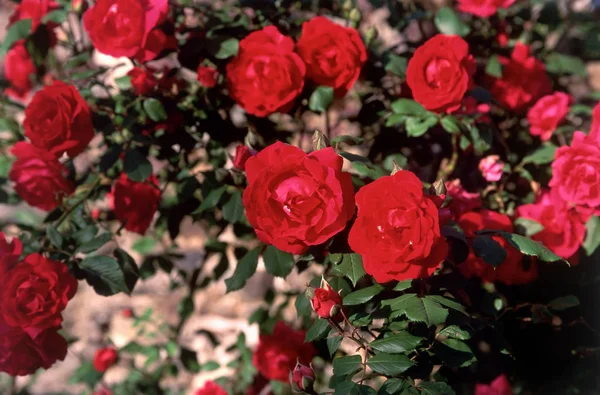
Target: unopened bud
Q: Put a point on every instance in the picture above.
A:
(396, 168)
(302, 378)
(355, 15)
(371, 35)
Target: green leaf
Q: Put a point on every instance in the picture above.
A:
(17, 31)
(403, 285)
(563, 303)
(9, 125)
(417, 309)
(104, 274)
(333, 343)
(278, 263)
(541, 156)
(389, 364)
(54, 236)
(211, 200)
(455, 332)
(558, 63)
(95, 243)
(351, 266)
(447, 302)
(155, 110)
(130, 269)
(362, 295)
(416, 127)
(189, 359)
(448, 22)
(144, 245)
(528, 227)
(245, 268)
(398, 343)
(408, 107)
(86, 373)
(397, 65)
(450, 124)
(531, 247)
(317, 331)
(123, 82)
(489, 250)
(137, 167)
(228, 48)
(320, 99)
(435, 388)
(347, 365)
(592, 235)
(233, 210)
(397, 387)
(494, 67)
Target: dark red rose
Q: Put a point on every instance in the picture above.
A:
(397, 231)
(277, 354)
(210, 388)
(512, 270)
(40, 179)
(127, 196)
(576, 171)
(21, 355)
(122, 27)
(326, 302)
(35, 292)
(18, 70)
(461, 200)
(547, 113)
(58, 120)
(524, 80)
(156, 42)
(207, 76)
(483, 8)
(267, 75)
(500, 386)
(439, 73)
(242, 154)
(334, 55)
(564, 227)
(295, 200)
(302, 378)
(142, 80)
(105, 358)
(9, 253)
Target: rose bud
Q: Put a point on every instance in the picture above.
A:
(302, 378)
(326, 301)
(242, 154)
(127, 313)
(105, 358)
(491, 168)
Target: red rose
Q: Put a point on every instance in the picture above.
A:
(500, 386)
(326, 302)
(36, 10)
(40, 179)
(121, 27)
(547, 113)
(523, 80)
(302, 378)
(277, 354)
(266, 75)
(512, 270)
(21, 354)
(483, 8)
(58, 120)
(439, 73)
(576, 171)
(127, 196)
(294, 200)
(35, 292)
(564, 228)
(18, 70)
(210, 388)
(103, 391)
(9, 253)
(397, 231)
(242, 154)
(156, 42)
(333, 54)
(142, 80)
(105, 358)
(208, 76)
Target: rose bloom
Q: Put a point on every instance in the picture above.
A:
(564, 227)
(295, 200)
(210, 388)
(324, 300)
(267, 75)
(9, 253)
(491, 168)
(105, 358)
(334, 55)
(35, 292)
(39, 178)
(127, 198)
(512, 270)
(277, 354)
(461, 200)
(500, 386)
(58, 120)
(21, 354)
(547, 113)
(142, 80)
(18, 70)
(156, 42)
(122, 27)
(242, 154)
(397, 231)
(207, 76)
(524, 80)
(483, 8)
(439, 73)
(576, 171)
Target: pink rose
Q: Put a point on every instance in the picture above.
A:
(491, 168)
(547, 113)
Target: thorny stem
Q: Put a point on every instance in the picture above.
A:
(447, 169)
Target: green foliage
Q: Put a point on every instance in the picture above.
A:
(277, 262)
(321, 98)
(17, 31)
(243, 271)
(448, 22)
(349, 265)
